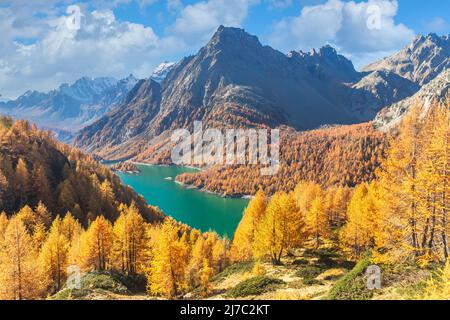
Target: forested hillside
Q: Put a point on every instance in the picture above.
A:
(36, 168)
(62, 211)
(402, 215)
(340, 156)
(398, 221)
(400, 218)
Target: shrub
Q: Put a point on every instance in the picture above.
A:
(352, 286)
(300, 262)
(309, 272)
(240, 267)
(323, 252)
(113, 282)
(325, 262)
(254, 286)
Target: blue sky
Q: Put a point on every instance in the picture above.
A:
(117, 37)
(419, 15)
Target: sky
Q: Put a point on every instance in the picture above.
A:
(45, 43)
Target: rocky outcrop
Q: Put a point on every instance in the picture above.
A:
(377, 90)
(421, 61)
(436, 91)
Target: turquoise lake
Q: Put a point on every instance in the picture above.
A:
(197, 209)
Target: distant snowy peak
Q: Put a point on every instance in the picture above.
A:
(161, 72)
(71, 106)
(129, 82)
(87, 89)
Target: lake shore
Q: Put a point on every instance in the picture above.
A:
(201, 210)
(190, 186)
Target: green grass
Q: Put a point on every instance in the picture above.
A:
(414, 291)
(254, 286)
(352, 286)
(241, 267)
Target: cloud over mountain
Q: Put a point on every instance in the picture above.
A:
(361, 30)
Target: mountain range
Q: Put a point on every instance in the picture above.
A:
(71, 106)
(236, 81)
(420, 62)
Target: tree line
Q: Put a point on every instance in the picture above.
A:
(36, 252)
(340, 156)
(402, 215)
(35, 168)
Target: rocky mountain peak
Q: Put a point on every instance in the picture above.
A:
(327, 62)
(328, 51)
(160, 73)
(436, 90)
(421, 61)
(230, 38)
(236, 81)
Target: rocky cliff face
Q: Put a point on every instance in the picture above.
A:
(435, 91)
(377, 90)
(236, 81)
(142, 105)
(421, 61)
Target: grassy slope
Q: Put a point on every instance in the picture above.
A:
(304, 275)
(316, 275)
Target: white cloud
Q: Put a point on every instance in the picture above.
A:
(280, 4)
(174, 5)
(437, 24)
(42, 52)
(197, 22)
(359, 30)
(102, 46)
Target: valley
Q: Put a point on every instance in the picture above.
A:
(88, 184)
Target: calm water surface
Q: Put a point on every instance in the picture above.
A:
(198, 209)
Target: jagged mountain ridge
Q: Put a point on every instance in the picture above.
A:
(236, 81)
(421, 61)
(379, 89)
(70, 107)
(436, 90)
(160, 73)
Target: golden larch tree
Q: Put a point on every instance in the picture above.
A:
(242, 246)
(19, 279)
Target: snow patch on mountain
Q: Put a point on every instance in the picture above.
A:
(71, 106)
(161, 72)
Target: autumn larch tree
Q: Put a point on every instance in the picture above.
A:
(19, 279)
